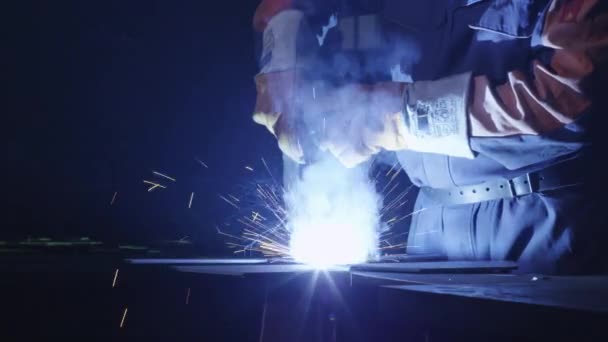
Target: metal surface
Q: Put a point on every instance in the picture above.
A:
(578, 293)
(393, 278)
(239, 270)
(411, 258)
(236, 268)
(466, 279)
(588, 293)
(176, 261)
(439, 267)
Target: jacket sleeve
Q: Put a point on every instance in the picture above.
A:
(552, 92)
(543, 113)
(268, 9)
(311, 8)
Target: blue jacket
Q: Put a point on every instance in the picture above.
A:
(432, 39)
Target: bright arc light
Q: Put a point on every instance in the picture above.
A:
(326, 245)
(333, 215)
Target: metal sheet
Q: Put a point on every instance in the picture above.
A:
(238, 270)
(411, 258)
(441, 278)
(393, 278)
(409, 267)
(579, 293)
(201, 261)
(438, 267)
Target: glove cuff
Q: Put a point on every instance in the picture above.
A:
(280, 41)
(436, 116)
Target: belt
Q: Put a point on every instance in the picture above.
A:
(554, 177)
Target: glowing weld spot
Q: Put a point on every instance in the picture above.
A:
(322, 246)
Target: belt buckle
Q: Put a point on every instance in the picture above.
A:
(521, 185)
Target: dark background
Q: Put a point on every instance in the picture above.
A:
(100, 95)
(103, 93)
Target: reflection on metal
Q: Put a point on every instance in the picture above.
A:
(439, 267)
(411, 258)
(239, 270)
(234, 267)
(232, 261)
(587, 293)
(475, 279)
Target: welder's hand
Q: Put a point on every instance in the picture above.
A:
(279, 79)
(428, 116)
(276, 109)
(368, 120)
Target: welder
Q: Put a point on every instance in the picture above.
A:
(487, 105)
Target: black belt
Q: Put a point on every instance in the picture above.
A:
(554, 177)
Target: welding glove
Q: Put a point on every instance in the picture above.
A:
(277, 110)
(428, 116)
(279, 82)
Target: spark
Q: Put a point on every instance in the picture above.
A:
(249, 168)
(273, 235)
(376, 176)
(219, 231)
(391, 169)
(324, 126)
(201, 162)
(115, 278)
(269, 239)
(389, 182)
(256, 215)
(396, 174)
(187, 296)
(411, 214)
(154, 185)
(114, 198)
(164, 176)
(229, 202)
(390, 246)
(429, 232)
(400, 234)
(124, 316)
(266, 166)
(263, 323)
(393, 188)
(268, 170)
(397, 201)
(191, 198)
(252, 235)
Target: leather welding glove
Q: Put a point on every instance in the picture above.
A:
(429, 116)
(278, 84)
(276, 109)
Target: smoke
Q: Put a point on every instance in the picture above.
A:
(333, 215)
(333, 211)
